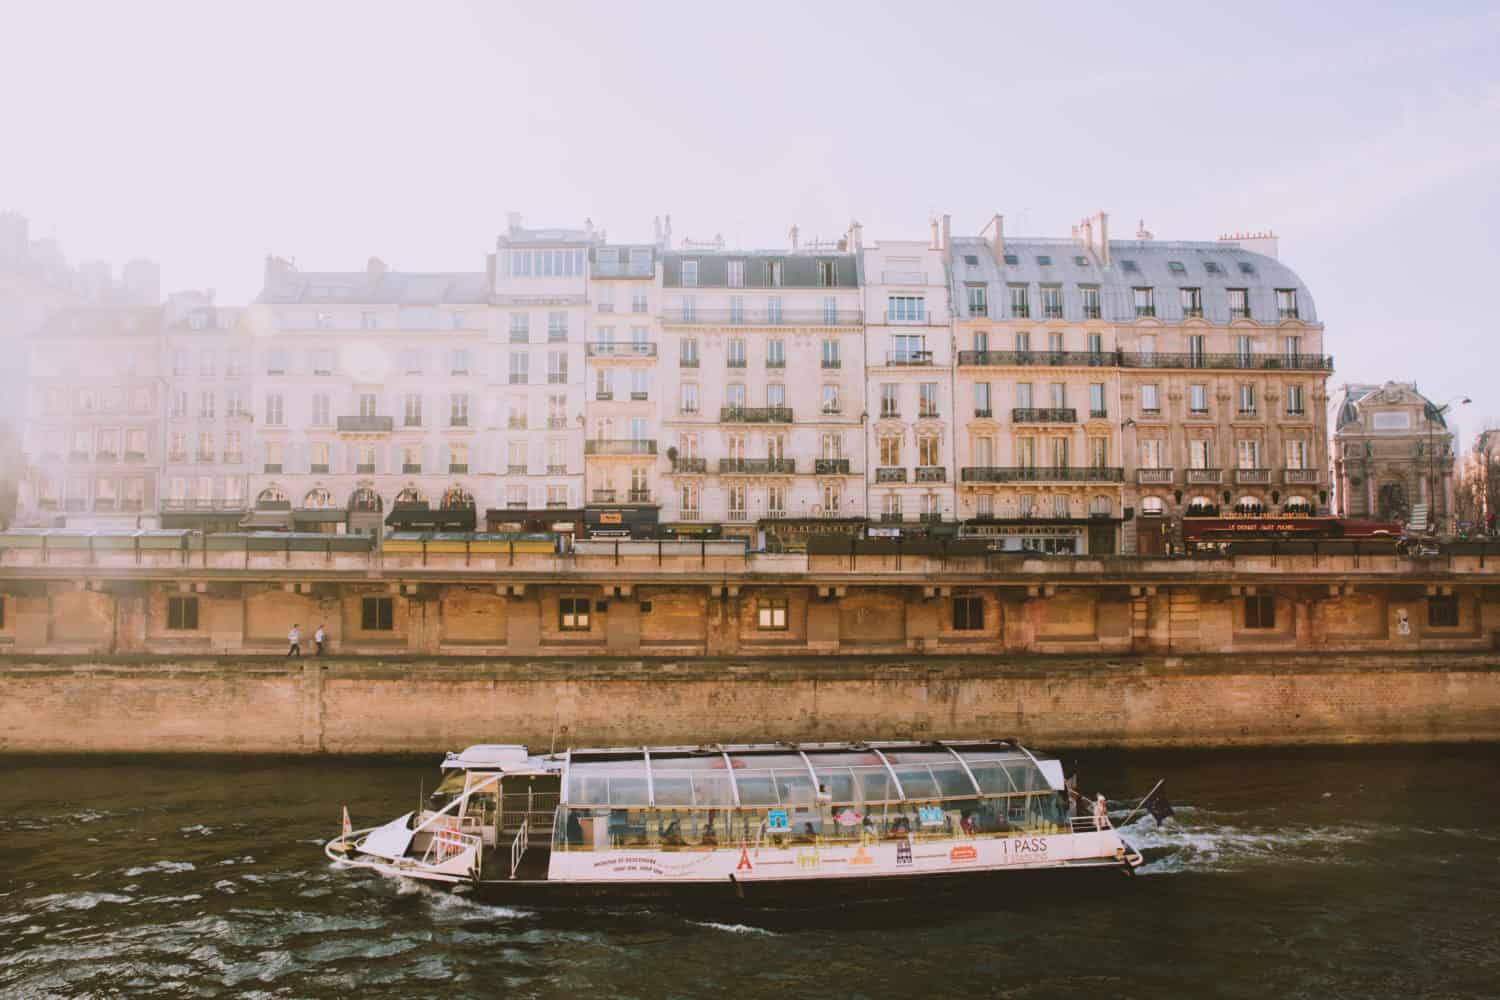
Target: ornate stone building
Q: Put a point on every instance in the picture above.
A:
(1393, 455)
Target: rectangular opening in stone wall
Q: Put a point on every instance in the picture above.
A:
(1260, 611)
(182, 613)
(1442, 611)
(377, 614)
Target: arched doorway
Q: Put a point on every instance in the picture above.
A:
(1391, 503)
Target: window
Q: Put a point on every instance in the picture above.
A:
(978, 304)
(1059, 395)
(968, 613)
(1294, 404)
(738, 510)
(1052, 302)
(638, 302)
(520, 365)
(774, 272)
(1150, 398)
(411, 410)
(1198, 398)
(927, 399)
(1055, 342)
(831, 399)
(640, 384)
(1192, 302)
(367, 404)
(1151, 453)
(182, 613)
(984, 505)
(773, 309)
(687, 353)
(1248, 454)
(775, 354)
(690, 274)
(890, 451)
(321, 411)
(929, 451)
(1020, 301)
(1098, 453)
(1260, 611)
(1090, 301)
(275, 411)
(830, 310)
(982, 400)
(458, 409)
(909, 349)
(734, 395)
(520, 328)
(1198, 453)
(179, 403)
(1442, 610)
(557, 368)
(776, 395)
(1247, 399)
(1096, 343)
(1145, 301)
(367, 321)
(831, 357)
(770, 613)
(1291, 348)
(735, 273)
(276, 362)
(557, 327)
(1239, 303)
(776, 501)
(206, 405)
(828, 275)
(458, 457)
(459, 363)
(317, 455)
(735, 352)
(905, 308)
(1023, 395)
(890, 402)
(1296, 454)
(377, 614)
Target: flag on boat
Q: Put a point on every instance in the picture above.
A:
(1157, 805)
(348, 827)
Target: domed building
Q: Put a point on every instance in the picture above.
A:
(1393, 456)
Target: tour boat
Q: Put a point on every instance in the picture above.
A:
(742, 821)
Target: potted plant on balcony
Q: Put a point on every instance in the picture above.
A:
(672, 453)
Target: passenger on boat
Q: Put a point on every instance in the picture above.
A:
(808, 835)
(574, 830)
(672, 835)
(710, 838)
(900, 826)
(966, 823)
(1101, 811)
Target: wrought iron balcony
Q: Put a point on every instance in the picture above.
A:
(1050, 415)
(365, 425)
(908, 357)
(604, 496)
(619, 446)
(1084, 359)
(638, 496)
(557, 423)
(890, 474)
(626, 349)
(932, 474)
(831, 466)
(557, 470)
(1147, 359)
(690, 466)
(755, 415)
(365, 468)
(1028, 474)
(850, 316)
(512, 469)
(983, 414)
(458, 468)
(757, 466)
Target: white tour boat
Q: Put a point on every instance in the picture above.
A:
(742, 821)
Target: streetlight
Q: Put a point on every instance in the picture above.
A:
(1432, 460)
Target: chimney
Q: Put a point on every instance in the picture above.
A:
(994, 236)
(656, 229)
(1103, 250)
(666, 233)
(1262, 242)
(1142, 233)
(513, 221)
(947, 233)
(856, 236)
(375, 267)
(937, 235)
(792, 235)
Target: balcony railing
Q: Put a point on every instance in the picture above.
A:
(191, 506)
(831, 466)
(272, 468)
(140, 456)
(983, 414)
(764, 317)
(687, 362)
(1147, 359)
(833, 363)
(1247, 477)
(932, 517)
(620, 446)
(458, 468)
(776, 362)
(516, 423)
(365, 468)
(604, 496)
(755, 415)
(512, 469)
(1204, 477)
(365, 425)
(629, 349)
(1026, 474)
(557, 470)
(638, 496)
(1158, 477)
(890, 474)
(1299, 475)
(411, 468)
(932, 474)
(1048, 415)
(603, 397)
(690, 466)
(908, 357)
(557, 423)
(757, 466)
(1098, 414)
(735, 363)
(640, 397)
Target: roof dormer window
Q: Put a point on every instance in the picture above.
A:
(1176, 267)
(1129, 265)
(1011, 260)
(689, 274)
(1212, 267)
(1044, 260)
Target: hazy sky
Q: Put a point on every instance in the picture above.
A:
(206, 135)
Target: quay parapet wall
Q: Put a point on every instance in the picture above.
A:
(239, 596)
(264, 705)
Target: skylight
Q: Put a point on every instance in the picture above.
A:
(1044, 260)
(1012, 259)
(1176, 267)
(1081, 261)
(971, 260)
(1212, 267)
(1246, 267)
(1129, 265)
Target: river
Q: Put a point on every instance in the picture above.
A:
(1357, 872)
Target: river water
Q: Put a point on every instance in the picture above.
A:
(1297, 873)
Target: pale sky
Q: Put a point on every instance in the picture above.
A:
(206, 135)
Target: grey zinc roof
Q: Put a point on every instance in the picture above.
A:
(1150, 266)
(799, 268)
(387, 288)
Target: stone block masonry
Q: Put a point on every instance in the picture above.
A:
(422, 705)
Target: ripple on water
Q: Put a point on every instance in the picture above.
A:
(168, 867)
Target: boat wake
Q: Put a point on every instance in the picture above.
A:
(1202, 845)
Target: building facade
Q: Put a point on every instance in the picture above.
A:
(1393, 455)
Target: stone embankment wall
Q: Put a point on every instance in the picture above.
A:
(264, 705)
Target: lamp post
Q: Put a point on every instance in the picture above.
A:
(1432, 460)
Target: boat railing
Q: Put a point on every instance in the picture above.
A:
(518, 846)
(1088, 824)
(448, 842)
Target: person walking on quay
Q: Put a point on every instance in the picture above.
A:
(318, 637)
(294, 637)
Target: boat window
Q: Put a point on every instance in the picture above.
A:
(916, 782)
(757, 788)
(953, 781)
(608, 782)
